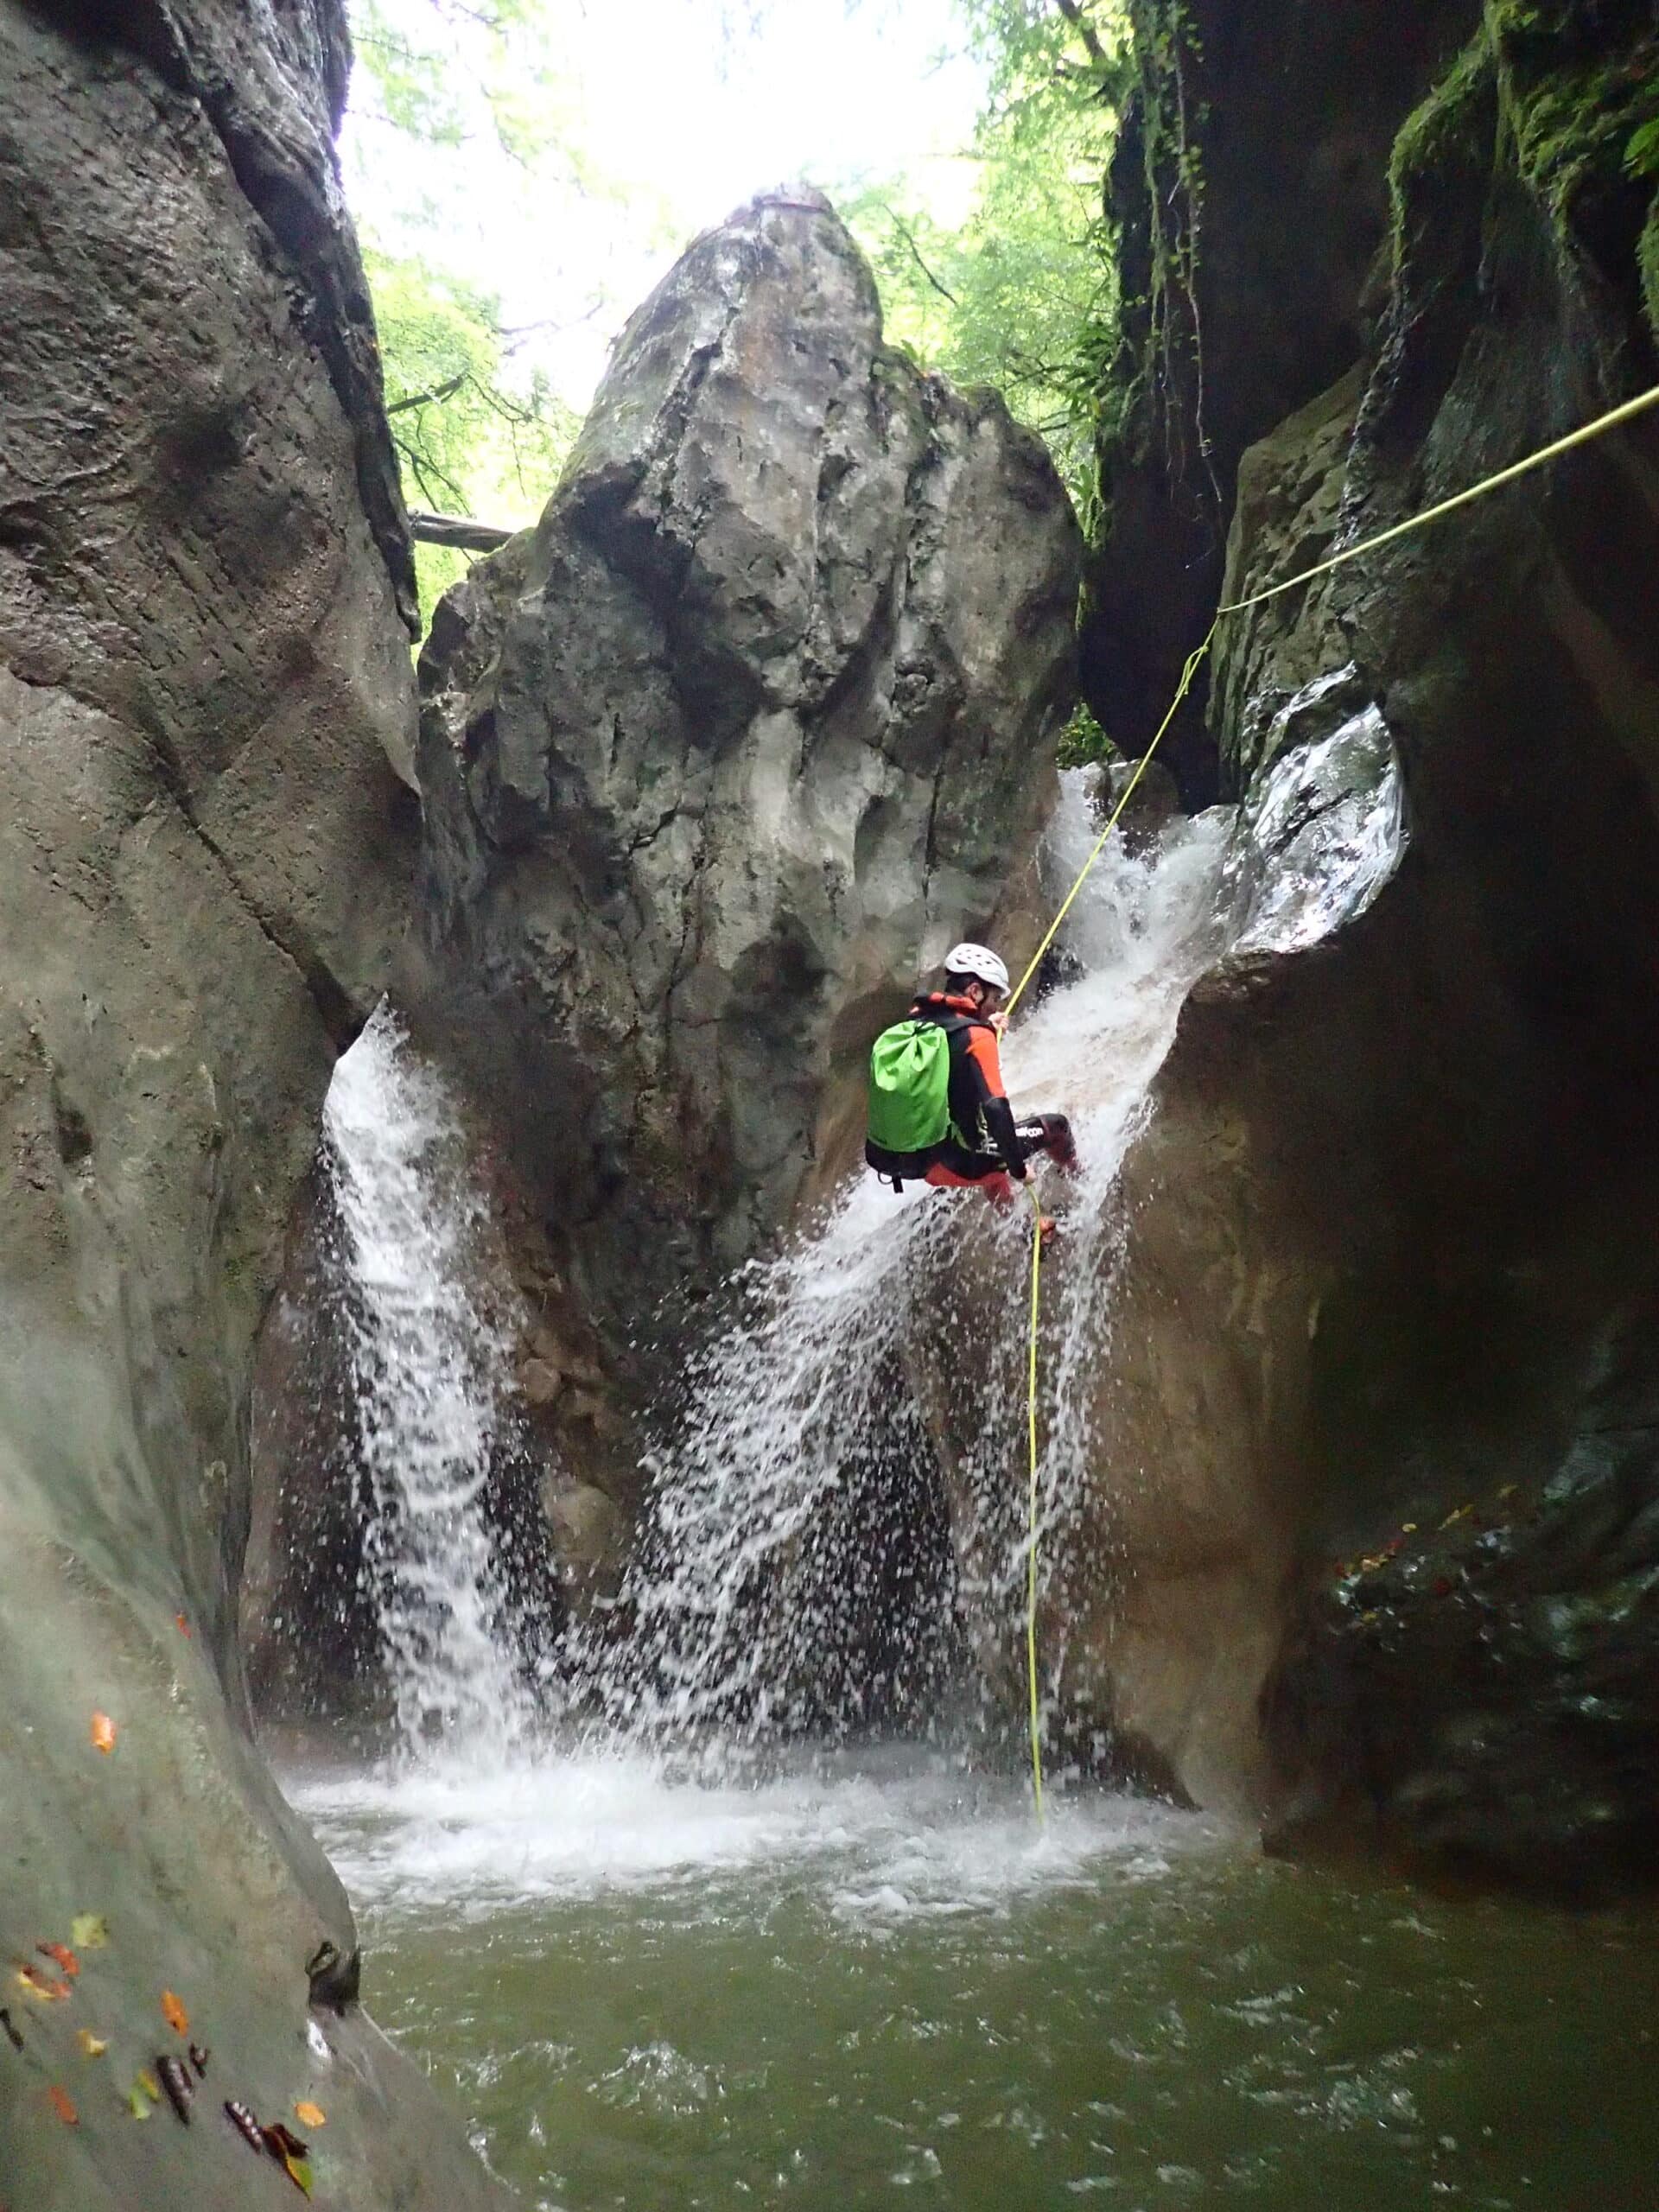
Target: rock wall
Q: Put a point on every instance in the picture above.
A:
(205, 846)
(1390, 1273)
(724, 753)
(1249, 194)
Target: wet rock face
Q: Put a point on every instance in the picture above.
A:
(1389, 1225)
(729, 749)
(1477, 1692)
(204, 855)
(1293, 112)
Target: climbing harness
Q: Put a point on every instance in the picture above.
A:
(1626, 411)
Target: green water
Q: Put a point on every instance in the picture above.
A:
(881, 1990)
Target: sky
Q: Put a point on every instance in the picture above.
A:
(672, 120)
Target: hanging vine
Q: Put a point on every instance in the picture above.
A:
(1169, 373)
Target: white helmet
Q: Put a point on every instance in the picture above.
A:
(977, 960)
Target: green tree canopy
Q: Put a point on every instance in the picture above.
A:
(478, 427)
(1020, 294)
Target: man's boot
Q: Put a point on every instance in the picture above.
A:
(1051, 1133)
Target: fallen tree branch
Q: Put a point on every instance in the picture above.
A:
(438, 393)
(456, 530)
(904, 231)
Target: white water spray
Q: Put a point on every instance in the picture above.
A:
(427, 1363)
(760, 1565)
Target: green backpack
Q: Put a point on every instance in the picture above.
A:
(910, 1086)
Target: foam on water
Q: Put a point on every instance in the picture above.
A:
(876, 1842)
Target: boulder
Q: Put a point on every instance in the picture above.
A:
(729, 749)
(205, 846)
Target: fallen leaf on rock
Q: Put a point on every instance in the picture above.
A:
(89, 1932)
(64, 2105)
(293, 2155)
(43, 1985)
(149, 2084)
(1407, 1528)
(1452, 1519)
(310, 2115)
(184, 1625)
(92, 2046)
(61, 1956)
(139, 2100)
(103, 1732)
(173, 2012)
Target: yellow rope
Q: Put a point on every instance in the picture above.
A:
(1030, 1507)
(1623, 413)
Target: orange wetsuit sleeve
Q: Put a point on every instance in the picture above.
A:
(981, 1048)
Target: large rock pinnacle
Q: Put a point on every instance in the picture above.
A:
(732, 746)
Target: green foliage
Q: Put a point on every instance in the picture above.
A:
(441, 84)
(444, 71)
(1641, 150)
(1083, 742)
(1020, 294)
(1647, 261)
(471, 436)
(1580, 95)
(459, 417)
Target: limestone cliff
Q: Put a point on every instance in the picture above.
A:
(1390, 1280)
(205, 847)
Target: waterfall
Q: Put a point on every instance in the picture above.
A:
(427, 1362)
(801, 1568)
(770, 1550)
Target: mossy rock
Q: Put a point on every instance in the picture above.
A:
(1576, 117)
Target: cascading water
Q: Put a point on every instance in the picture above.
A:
(766, 1554)
(427, 1362)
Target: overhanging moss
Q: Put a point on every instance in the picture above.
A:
(1452, 124)
(1578, 102)
(1579, 88)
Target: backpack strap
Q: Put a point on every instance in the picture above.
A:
(953, 1024)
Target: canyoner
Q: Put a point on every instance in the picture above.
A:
(939, 1111)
